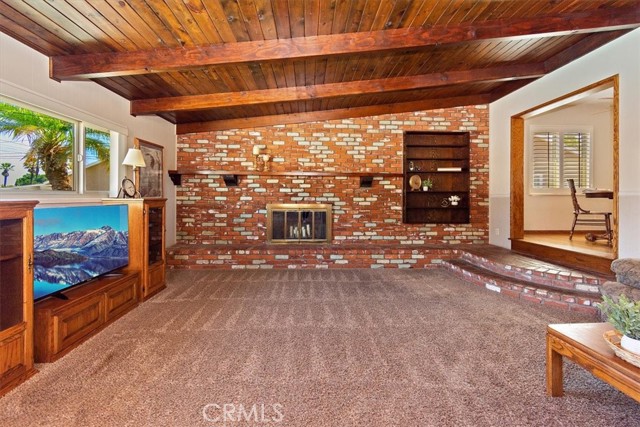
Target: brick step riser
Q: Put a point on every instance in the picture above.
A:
(530, 294)
(555, 279)
(311, 260)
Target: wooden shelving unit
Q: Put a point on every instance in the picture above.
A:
(16, 293)
(146, 242)
(443, 157)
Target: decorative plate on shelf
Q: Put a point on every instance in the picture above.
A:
(415, 182)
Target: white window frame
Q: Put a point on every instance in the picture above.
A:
(77, 157)
(560, 129)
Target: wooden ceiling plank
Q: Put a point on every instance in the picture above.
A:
(382, 20)
(116, 20)
(175, 19)
(267, 24)
(215, 79)
(163, 83)
(506, 10)
(348, 16)
(250, 19)
(78, 34)
(325, 17)
(509, 87)
(216, 14)
(469, 13)
(344, 15)
(200, 15)
(86, 9)
(311, 15)
(32, 18)
(234, 18)
(198, 81)
(267, 20)
(115, 86)
(397, 14)
(581, 48)
(373, 110)
(144, 27)
(84, 21)
(281, 16)
(103, 65)
(296, 19)
(368, 16)
(436, 12)
(453, 7)
(325, 22)
(176, 81)
(413, 8)
(21, 28)
(219, 100)
(254, 75)
(422, 14)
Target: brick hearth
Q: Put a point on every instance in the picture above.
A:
(493, 268)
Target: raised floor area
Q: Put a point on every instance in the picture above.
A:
(494, 268)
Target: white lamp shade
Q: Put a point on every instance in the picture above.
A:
(134, 158)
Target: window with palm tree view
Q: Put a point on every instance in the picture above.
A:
(40, 151)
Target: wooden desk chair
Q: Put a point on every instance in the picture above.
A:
(585, 217)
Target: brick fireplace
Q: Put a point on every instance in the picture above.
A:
(222, 220)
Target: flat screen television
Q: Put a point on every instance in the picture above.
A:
(75, 244)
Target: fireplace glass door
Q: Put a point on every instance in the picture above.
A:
(304, 223)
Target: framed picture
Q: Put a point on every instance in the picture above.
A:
(150, 176)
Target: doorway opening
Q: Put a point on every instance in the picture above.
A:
(541, 206)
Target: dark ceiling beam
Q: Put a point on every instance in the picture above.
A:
(332, 90)
(100, 65)
(343, 113)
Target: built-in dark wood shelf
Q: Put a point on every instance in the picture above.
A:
(231, 176)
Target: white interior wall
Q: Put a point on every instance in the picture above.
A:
(538, 206)
(620, 57)
(24, 75)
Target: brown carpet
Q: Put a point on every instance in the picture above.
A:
(322, 348)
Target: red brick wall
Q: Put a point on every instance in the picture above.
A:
(208, 212)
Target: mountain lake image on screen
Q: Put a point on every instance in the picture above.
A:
(75, 244)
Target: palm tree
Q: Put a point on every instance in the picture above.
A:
(6, 167)
(50, 142)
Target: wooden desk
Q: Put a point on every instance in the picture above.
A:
(583, 344)
(601, 194)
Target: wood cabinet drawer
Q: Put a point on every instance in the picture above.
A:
(156, 279)
(12, 362)
(77, 321)
(121, 298)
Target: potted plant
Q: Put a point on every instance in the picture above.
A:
(427, 183)
(624, 315)
(454, 200)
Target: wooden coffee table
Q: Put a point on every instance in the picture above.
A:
(583, 344)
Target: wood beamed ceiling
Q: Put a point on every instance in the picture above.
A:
(220, 64)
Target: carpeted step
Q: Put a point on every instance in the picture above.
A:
(561, 294)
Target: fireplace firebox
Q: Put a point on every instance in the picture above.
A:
(298, 223)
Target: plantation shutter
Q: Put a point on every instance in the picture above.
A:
(546, 160)
(576, 156)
